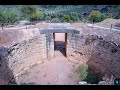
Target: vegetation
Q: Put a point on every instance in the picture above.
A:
(88, 74)
(58, 13)
(66, 18)
(8, 16)
(47, 18)
(37, 15)
(96, 16)
(74, 17)
(31, 12)
(82, 71)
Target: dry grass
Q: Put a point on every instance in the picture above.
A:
(107, 22)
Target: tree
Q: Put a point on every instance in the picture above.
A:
(27, 10)
(37, 15)
(8, 16)
(31, 12)
(66, 18)
(96, 16)
(74, 17)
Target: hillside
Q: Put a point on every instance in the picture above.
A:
(80, 9)
(56, 13)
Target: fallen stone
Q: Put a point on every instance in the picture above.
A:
(82, 82)
(102, 83)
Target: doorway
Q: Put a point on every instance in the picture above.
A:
(60, 44)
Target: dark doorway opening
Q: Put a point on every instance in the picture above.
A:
(60, 43)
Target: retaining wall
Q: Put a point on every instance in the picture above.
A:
(100, 48)
(20, 50)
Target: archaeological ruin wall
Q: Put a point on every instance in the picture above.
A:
(99, 48)
(20, 50)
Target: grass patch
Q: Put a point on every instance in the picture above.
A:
(87, 74)
(82, 71)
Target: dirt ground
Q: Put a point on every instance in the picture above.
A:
(107, 22)
(58, 71)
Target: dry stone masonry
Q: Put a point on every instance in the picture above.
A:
(48, 43)
(100, 48)
(19, 49)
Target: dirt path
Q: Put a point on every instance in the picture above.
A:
(58, 71)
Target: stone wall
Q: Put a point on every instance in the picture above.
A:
(99, 48)
(5, 72)
(23, 55)
(19, 49)
(10, 37)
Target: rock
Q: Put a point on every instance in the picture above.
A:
(12, 82)
(82, 82)
(102, 83)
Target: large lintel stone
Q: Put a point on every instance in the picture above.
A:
(59, 30)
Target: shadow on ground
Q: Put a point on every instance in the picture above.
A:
(60, 46)
(92, 76)
(13, 82)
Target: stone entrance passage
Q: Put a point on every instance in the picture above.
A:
(60, 44)
(51, 45)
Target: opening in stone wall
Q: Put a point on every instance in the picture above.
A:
(60, 43)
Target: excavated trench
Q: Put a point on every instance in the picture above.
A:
(91, 55)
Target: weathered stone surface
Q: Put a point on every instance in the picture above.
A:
(103, 56)
(18, 57)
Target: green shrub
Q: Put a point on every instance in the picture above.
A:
(92, 77)
(87, 74)
(82, 71)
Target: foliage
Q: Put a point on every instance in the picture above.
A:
(27, 10)
(8, 16)
(74, 17)
(66, 18)
(31, 12)
(66, 13)
(96, 16)
(37, 15)
(47, 18)
(88, 74)
(82, 71)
